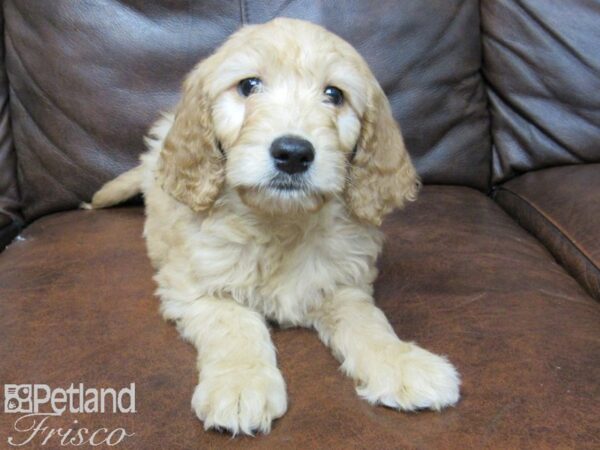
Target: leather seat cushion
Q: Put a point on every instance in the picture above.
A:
(458, 276)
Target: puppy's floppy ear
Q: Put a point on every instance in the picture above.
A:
(382, 176)
(191, 167)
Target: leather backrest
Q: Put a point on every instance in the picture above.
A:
(9, 194)
(542, 61)
(89, 77)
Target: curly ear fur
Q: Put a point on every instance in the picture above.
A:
(191, 167)
(382, 176)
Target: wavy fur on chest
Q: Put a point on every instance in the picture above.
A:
(279, 266)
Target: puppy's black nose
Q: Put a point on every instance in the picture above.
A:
(292, 154)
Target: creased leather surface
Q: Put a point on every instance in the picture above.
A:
(542, 62)
(9, 193)
(427, 57)
(457, 275)
(88, 78)
(561, 207)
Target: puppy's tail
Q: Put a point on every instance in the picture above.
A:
(123, 187)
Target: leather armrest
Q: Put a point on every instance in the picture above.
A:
(9, 229)
(561, 207)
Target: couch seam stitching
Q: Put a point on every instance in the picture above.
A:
(244, 12)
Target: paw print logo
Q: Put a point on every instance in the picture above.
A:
(17, 398)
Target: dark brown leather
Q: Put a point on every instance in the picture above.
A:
(9, 229)
(457, 275)
(9, 193)
(561, 207)
(427, 56)
(89, 78)
(542, 62)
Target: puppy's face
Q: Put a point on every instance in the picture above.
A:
(287, 113)
(290, 116)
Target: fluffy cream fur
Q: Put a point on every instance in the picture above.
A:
(230, 250)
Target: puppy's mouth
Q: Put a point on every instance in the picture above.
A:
(283, 195)
(288, 183)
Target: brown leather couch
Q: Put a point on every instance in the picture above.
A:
(496, 265)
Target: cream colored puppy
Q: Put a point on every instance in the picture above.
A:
(264, 193)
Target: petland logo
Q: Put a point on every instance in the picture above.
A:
(39, 403)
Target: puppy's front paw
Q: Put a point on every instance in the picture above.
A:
(241, 401)
(408, 377)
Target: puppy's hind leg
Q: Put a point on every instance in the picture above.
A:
(387, 370)
(240, 387)
(122, 188)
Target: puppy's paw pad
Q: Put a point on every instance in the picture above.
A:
(411, 380)
(241, 401)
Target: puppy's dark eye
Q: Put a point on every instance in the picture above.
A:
(249, 86)
(334, 95)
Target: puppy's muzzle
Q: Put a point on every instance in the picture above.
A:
(292, 155)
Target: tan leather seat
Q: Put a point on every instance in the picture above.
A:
(457, 275)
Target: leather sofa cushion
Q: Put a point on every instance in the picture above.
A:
(561, 207)
(541, 60)
(88, 79)
(457, 276)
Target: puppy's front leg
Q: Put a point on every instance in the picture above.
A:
(387, 370)
(240, 388)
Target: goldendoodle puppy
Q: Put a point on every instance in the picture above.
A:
(264, 193)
